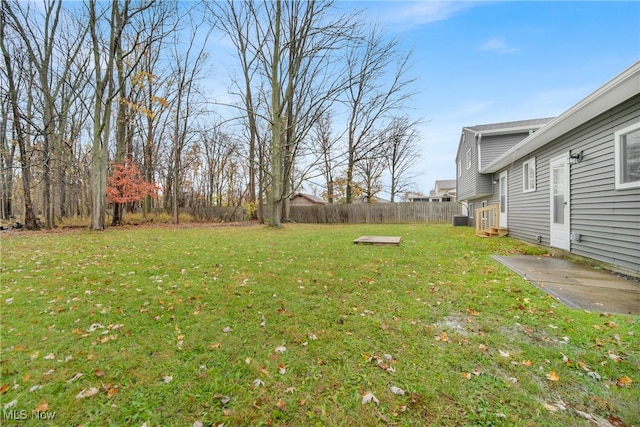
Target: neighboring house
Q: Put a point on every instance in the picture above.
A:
(479, 146)
(374, 199)
(418, 199)
(444, 190)
(301, 199)
(572, 184)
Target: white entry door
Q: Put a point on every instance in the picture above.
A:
(560, 209)
(504, 190)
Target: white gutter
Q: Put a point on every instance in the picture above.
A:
(620, 88)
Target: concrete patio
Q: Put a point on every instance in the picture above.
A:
(576, 285)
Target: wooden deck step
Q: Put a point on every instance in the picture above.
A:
(493, 231)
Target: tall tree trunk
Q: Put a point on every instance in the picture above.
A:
(276, 128)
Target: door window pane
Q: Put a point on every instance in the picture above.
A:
(558, 195)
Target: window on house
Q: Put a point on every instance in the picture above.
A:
(472, 210)
(459, 168)
(529, 175)
(627, 153)
(469, 159)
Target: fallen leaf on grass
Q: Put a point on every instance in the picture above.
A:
(75, 377)
(222, 398)
(553, 376)
(442, 337)
(369, 397)
(87, 393)
(472, 312)
(504, 353)
(98, 373)
(282, 369)
(226, 329)
(258, 382)
(465, 375)
(615, 357)
(112, 391)
(556, 406)
(167, 379)
(281, 404)
(624, 382)
(594, 375)
(526, 363)
(42, 406)
(396, 390)
(280, 349)
(4, 388)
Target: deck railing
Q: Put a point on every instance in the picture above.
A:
(487, 218)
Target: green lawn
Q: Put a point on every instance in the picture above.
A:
(299, 326)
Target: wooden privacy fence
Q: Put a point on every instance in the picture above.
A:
(360, 213)
(217, 213)
(377, 213)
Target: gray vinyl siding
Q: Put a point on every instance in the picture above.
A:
(471, 184)
(607, 219)
(467, 182)
(492, 146)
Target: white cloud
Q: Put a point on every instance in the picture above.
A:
(498, 45)
(426, 12)
(405, 15)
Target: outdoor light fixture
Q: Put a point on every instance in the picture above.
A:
(575, 158)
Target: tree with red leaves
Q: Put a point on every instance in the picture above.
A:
(126, 184)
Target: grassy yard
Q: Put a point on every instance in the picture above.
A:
(253, 326)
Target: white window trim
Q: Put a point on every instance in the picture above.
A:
(459, 168)
(618, 157)
(532, 167)
(469, 159)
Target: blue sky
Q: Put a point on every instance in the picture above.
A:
(489, 62)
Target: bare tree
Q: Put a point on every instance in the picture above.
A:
(379, 88)
(400, 154)
(17, 122)
(188, 59)
(370, 167)
(325, 143)
(7, 154)
(107, 54)
(236, 21)
(42, 38)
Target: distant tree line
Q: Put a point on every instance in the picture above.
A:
(318, 100)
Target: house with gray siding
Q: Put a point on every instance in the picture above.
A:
(574, 183)
(479, 146)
